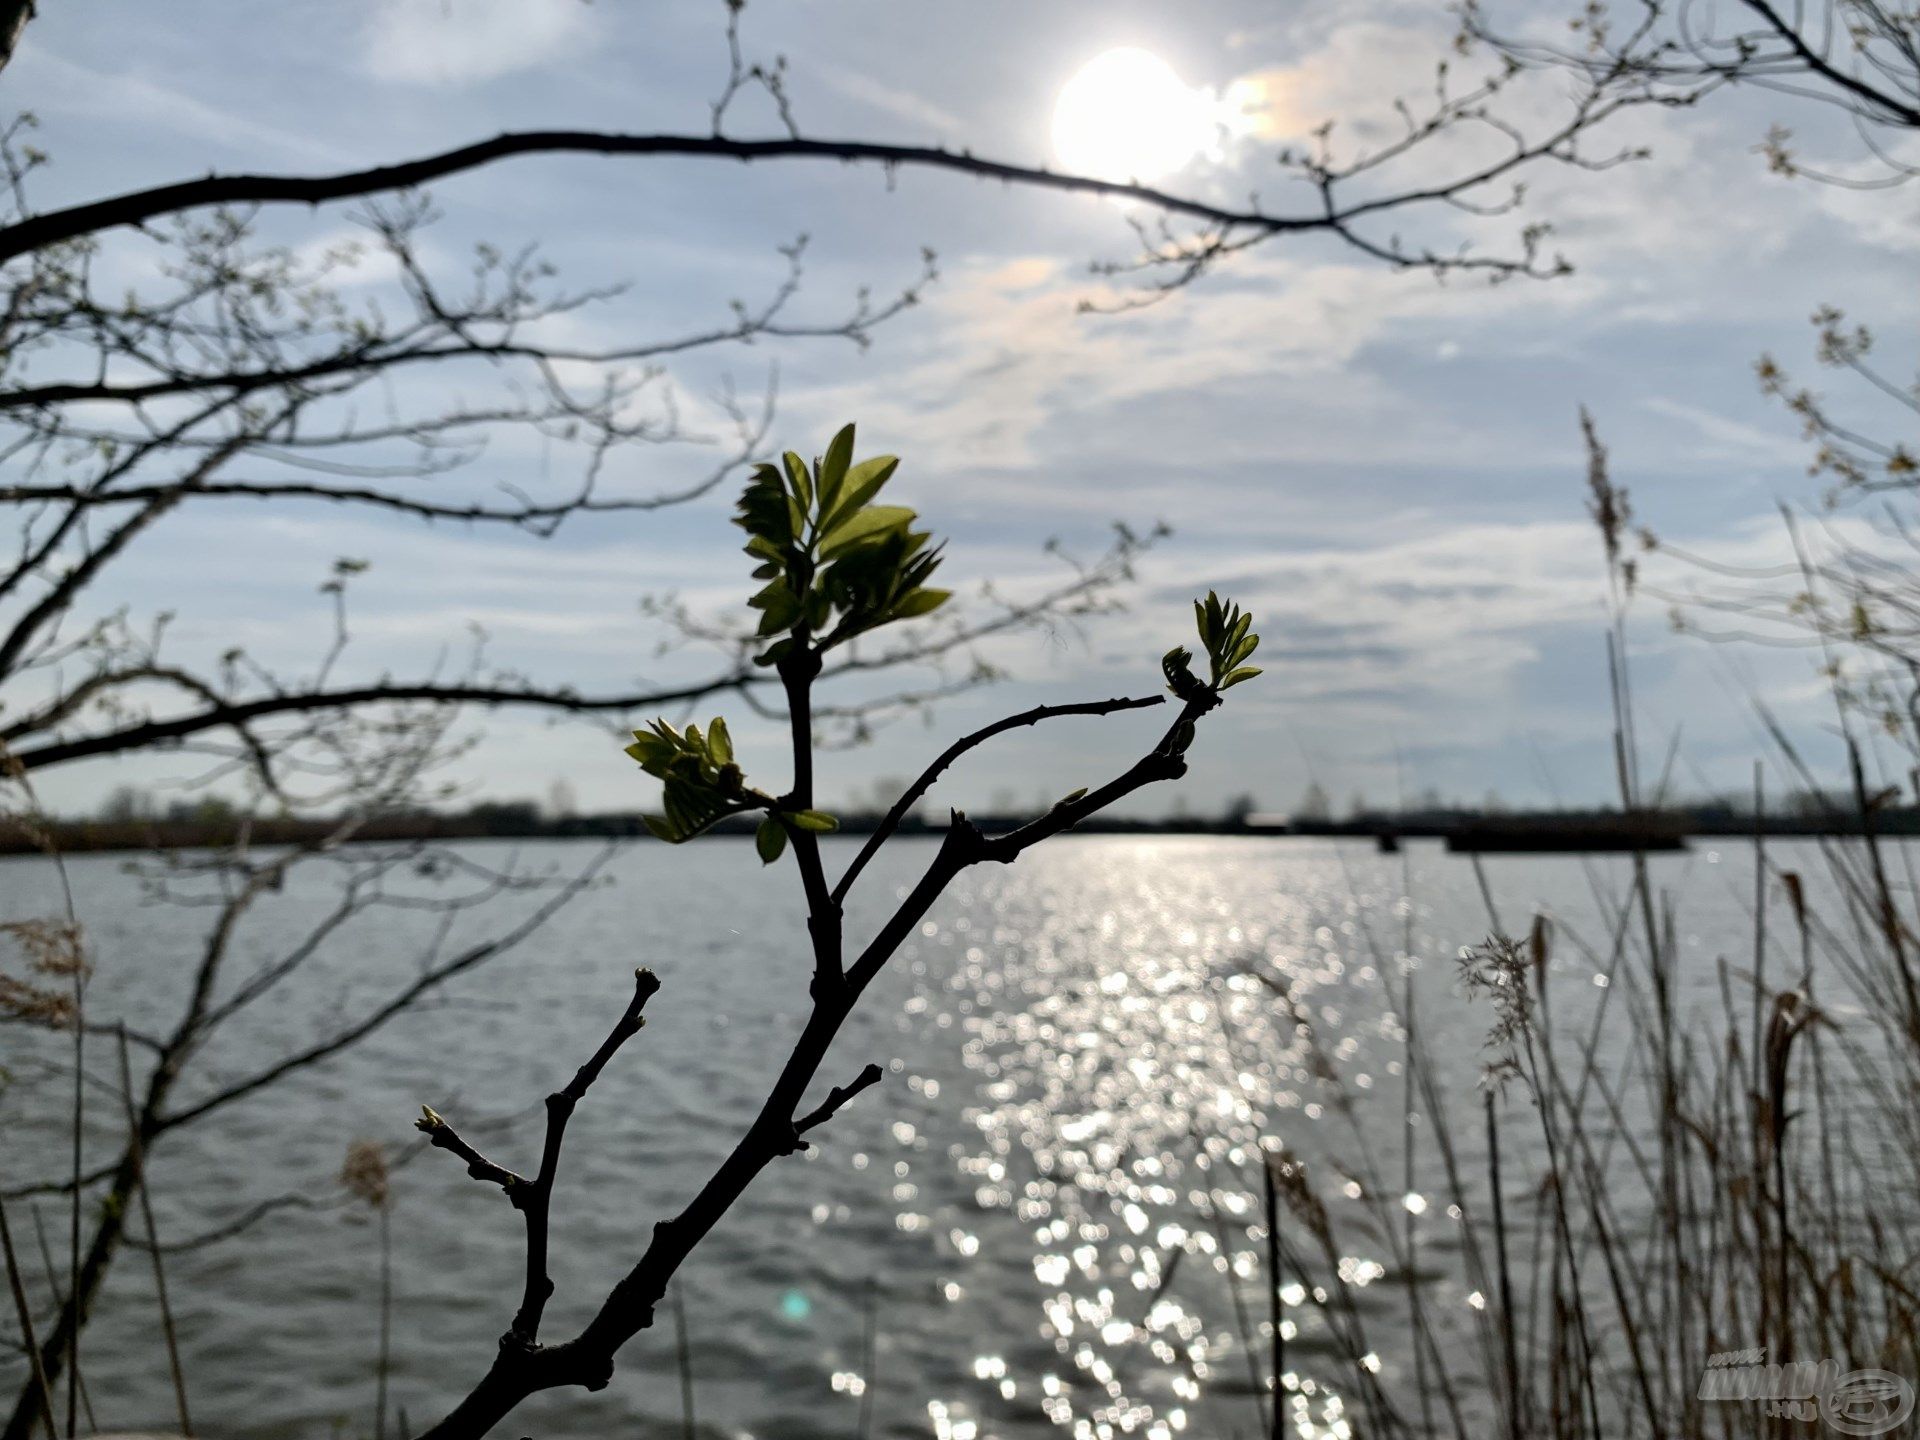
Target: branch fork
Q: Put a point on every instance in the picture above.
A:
(443, 1136)
(533, 1198)
(831, 1106)
(781, 1128)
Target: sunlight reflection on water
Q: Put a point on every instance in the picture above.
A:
(1049, 1214)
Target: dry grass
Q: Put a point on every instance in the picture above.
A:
(1704, 1187)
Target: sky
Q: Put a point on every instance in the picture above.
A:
(1385, 469)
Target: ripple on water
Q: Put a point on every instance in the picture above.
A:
(1048, 1214)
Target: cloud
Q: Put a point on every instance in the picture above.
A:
(1007, 376)
(1722, 437)
(1456, 611)
(124, 95)
(1387, 469)
(463, 42)
(1352, 77)
(904, 105)
(1878, 214)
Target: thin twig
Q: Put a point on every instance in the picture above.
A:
(953, 752)
(869, 1361)
(52, 1272)
(1275, 1315)
(25, 1313)
(683, 1359)
(385, 1363)
(144, 1189)
(836, 1098)
(534, 1197)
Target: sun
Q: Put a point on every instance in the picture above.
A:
(1126, 115)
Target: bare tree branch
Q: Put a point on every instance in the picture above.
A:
(911, 796)
(139, 207)
(14, 15)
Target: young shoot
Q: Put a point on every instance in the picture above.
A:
(834, 564)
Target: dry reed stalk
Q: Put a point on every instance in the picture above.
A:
(24, 1312)
(145, 1191)
(683, 1362)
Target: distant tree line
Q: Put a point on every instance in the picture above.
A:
(132, 818)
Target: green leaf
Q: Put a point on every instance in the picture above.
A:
(833, 468)
(1068, 800)
(863, 482)
(921, 602)
(770, 840)
(817, 821)
(781, 607)
(1176, 665)
(692, 806)
(766, 511)
(1237, 633)
(862, 526)
(649, 749)
(798, 482)
(700, 784)
(1225, 632)
(1246, 673)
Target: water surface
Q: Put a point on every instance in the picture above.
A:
(1047, 1213)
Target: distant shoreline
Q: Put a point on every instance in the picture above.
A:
(1538, 833)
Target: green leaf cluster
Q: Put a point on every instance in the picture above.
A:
(835, 563)
(700, 783)
(1225, 634)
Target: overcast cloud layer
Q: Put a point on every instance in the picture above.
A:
(1386, 470)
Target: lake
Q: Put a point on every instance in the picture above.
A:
(1045, 1214)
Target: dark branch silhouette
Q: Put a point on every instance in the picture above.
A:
(14, 15)
(837, 565)
(1860, 57)
(53, 227)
